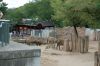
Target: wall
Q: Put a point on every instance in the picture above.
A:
(44, 33)
(16, 54)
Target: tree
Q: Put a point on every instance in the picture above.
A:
(3, 7)
(40, 9)
(75, 13)
(29, 10)
(45, 10)
(15, 15)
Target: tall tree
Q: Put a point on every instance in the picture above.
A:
(45, 10)
(75, 13)
(40, 9)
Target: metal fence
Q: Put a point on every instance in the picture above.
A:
(4, 33)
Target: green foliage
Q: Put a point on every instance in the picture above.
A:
(15, 15)
(77, 12)
(45, 10)
(40, 9)
(29, 10)
(3, 7)
(62, 12)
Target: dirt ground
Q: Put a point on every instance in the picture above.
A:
(51, 57)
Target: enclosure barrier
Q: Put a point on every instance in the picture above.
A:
(97, 59)
(15, 54)
(97, 56)
(19, 55)
(77, 45)
(4, 33)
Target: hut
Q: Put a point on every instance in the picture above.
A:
(23, 28)
(42, 29)
(37, 29)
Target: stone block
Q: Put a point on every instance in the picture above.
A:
(16, 54)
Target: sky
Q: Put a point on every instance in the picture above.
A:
(15, 3)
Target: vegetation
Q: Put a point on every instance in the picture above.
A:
(77, 13)
(3, 7)
(38, 10)
(61, 12)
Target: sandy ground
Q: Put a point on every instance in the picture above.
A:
(51, 57)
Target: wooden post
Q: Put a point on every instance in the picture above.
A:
(97, 56)
(99, 47)
(78, 44)
(74, 44)
(86, 44)
(66, 45)
(98, 37)
(96, 59)
(81, 45)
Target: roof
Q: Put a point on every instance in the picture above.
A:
(37, 25)
(44, 23)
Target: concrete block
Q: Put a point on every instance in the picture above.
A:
(16, 54)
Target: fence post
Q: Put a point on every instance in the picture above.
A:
(96, 59)
(86, 44)
(66, 45)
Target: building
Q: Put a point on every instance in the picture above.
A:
(36, 29)
(42, 29)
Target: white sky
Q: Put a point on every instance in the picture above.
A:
(15, 3)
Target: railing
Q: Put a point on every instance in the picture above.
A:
(4, 33)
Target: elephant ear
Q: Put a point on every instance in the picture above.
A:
(1, 14)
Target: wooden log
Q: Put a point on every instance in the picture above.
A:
(66, 45)
(74, 44)
(86, 44)
(99, 47)
(96, 59)
(98, 36)
(82, 45)
(78, 44)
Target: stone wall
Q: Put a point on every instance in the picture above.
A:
(17, 54)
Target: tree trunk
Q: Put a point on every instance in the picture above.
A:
(75, 30)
